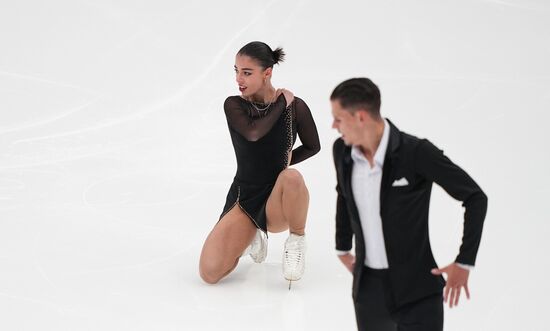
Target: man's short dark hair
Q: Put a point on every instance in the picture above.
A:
(358, 93)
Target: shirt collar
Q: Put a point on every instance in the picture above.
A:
(380, 153)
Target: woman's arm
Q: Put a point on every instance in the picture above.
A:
(307, 131)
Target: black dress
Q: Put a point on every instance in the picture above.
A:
(262, 140)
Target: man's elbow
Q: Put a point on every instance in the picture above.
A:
(479, 200)
(482, 197)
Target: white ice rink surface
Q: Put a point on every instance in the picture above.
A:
(115, 157)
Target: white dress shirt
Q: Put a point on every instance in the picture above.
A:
(365, 183)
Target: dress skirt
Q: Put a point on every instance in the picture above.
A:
(252, 199)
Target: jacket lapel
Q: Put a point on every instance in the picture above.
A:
(347, 171)
(390, 161)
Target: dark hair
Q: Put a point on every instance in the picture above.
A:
(262, 53)
(358, 93)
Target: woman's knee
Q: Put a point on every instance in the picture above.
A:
(293, 179)
(211, 271)
(216, 262)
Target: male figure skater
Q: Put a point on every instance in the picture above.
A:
(384, 180)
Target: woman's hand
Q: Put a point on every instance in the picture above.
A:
(289, 96)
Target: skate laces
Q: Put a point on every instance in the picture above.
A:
(293, 252)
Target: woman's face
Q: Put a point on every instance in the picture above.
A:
(250, 76)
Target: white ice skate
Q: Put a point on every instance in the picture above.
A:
(258, 247)
(294, 258)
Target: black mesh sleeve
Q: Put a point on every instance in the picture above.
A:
(307, 131)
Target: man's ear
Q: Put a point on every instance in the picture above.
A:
(361, 115)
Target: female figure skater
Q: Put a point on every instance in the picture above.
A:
(266, 195)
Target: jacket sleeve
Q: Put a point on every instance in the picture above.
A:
(432, 164)
(344, 233)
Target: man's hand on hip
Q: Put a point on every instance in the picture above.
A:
(457, 278)
(348, 260)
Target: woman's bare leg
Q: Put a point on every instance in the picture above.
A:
(288, 203)
(225, 244)
(286, 209)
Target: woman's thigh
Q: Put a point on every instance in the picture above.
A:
(225, 243)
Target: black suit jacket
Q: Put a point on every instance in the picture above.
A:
(404, 212)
